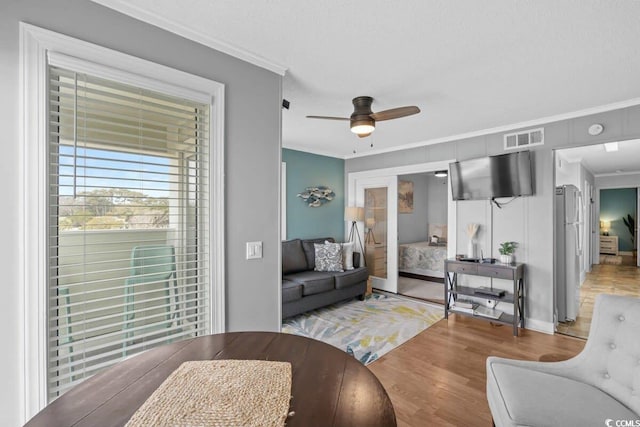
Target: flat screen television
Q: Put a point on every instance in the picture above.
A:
(505, 175)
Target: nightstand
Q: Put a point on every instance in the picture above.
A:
(609, 245)
(377, 259)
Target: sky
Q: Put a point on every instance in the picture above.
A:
(113, 169)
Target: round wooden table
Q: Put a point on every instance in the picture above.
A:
(329, 387)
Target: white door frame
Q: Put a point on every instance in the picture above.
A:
(283, 201)
(586, 229)
(353, 177)
(390, 182)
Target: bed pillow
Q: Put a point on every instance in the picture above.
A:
(347, 255)
(328, 257)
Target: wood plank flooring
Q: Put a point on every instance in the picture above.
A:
(603, 279)
(438, 377)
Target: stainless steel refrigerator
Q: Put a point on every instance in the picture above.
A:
(567, 252)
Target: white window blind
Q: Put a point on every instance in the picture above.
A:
(128, 223)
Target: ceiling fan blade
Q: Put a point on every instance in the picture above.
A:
(395, 113)
(328, 118)
(364, 135)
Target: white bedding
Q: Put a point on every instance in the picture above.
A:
(422, 258)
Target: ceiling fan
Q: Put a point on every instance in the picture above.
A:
(363, 120)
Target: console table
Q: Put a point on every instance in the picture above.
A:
(513, 272)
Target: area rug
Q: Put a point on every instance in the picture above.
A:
(423, 289)
(366, 329)
(611, 259)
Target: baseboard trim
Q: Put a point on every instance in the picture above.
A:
(540, 326)
(629, 253)
(420, 276)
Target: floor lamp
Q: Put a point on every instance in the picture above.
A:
(369, 223)
(355, 214)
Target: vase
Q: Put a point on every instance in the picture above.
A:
(506, 259)
(471, 253)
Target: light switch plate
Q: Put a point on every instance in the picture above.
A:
(254, 250)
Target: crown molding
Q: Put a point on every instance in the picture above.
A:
(154, 19)
(505, 128)
(600, 175)
(312, 150)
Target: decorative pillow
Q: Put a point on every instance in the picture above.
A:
(328, 257)
(310, 250)
(347, 255)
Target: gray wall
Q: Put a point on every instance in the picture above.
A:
(438, 202)
(252, 162)
(527, 220)
(617, 181)
(412, 227)
(429, 207)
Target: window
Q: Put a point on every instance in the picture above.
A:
(47, 317)
(128, 223)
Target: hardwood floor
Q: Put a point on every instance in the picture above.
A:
(623, 279)
(438, 377)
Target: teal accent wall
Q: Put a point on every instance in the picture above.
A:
(312, 170)
(617, 203)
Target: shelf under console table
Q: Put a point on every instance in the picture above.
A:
(513, 272)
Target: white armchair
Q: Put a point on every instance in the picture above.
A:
(598, 387)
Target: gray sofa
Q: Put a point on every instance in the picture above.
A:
(304, 289)
(598, 387)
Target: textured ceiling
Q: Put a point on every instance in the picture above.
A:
(600, 162)
(470, 65)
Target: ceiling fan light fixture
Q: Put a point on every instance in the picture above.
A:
(363, 120)
(362, 129)
(362, 126)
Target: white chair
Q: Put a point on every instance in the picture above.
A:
(598, 387)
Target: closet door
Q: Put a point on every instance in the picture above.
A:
(379, 197)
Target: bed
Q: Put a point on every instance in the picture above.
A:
(422, 258)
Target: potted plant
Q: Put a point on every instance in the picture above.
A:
(506, 250)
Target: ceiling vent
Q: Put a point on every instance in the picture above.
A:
(525, 138)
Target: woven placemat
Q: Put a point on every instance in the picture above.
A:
(220, 393)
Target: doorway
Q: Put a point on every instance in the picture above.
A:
(608, 180)
(618, 209)
(359, 182)
(422, 234)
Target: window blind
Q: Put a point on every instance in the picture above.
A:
(128, 223)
